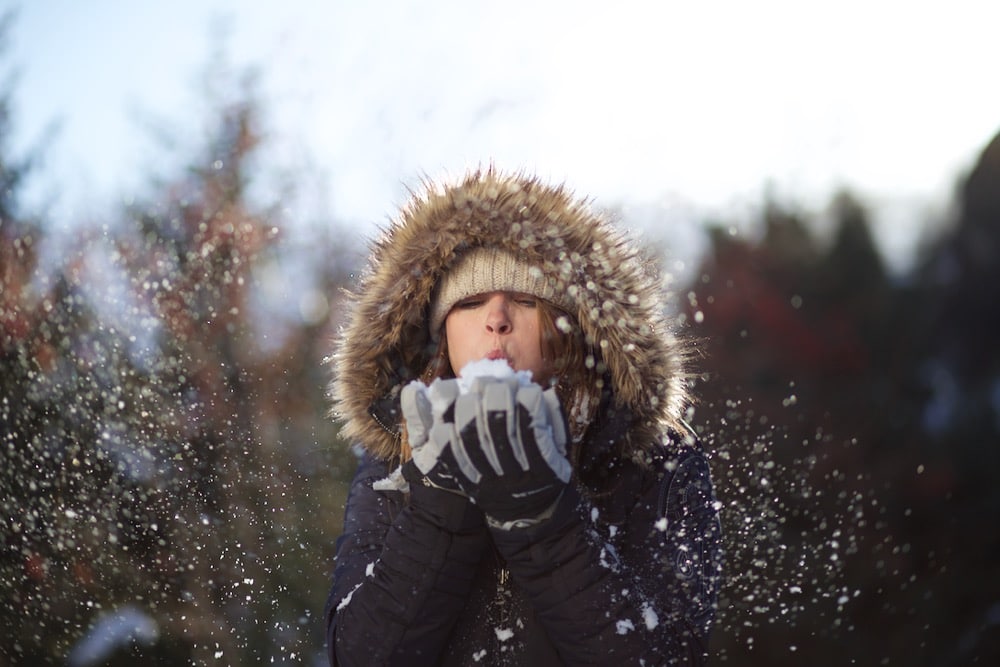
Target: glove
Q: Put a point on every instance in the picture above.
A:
(509, 447)
(422, 406)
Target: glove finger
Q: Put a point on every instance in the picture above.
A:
(443, 435)
(556, 419)
(428, 456)
(442, 395)
(537, 434)
(447, 468)
(417, 413)
(478, 384)
(508, 452)
(474, 439)
(531, 423)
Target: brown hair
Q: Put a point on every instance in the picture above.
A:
(576, 369)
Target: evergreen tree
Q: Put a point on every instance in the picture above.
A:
(169, 463)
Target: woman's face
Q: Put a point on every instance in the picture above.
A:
(497, 325)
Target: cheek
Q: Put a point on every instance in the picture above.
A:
(456, 333)
(455, 327)
(531, 341)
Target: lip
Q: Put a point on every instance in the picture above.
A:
(496, 354)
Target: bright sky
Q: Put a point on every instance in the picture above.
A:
(673, 110)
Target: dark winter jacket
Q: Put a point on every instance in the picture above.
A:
(626, 569)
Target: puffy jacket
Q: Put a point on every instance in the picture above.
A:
(628, 576)
(626, 570)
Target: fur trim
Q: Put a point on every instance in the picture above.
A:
(386, 342)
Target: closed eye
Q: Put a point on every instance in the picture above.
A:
(526, 300)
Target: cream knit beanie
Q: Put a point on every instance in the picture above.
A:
(483, 270)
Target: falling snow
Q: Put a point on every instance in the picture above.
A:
(503, 634)
(173, 485)
(649, 617)
(624, 626)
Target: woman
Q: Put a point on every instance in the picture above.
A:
(568, 519)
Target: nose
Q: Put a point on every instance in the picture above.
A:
(497, 315)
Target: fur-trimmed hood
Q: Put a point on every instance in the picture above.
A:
(386, 343)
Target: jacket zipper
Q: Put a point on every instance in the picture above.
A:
(394, 432)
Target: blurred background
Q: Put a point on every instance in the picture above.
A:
(185, 190)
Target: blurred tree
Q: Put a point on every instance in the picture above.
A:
(190, 257)
(33, 460)
(854, 416)
(20, 232)
(793, 334)
(170, 469)
(958, 374)
(195, 256)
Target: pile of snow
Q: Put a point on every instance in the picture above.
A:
(489, 368)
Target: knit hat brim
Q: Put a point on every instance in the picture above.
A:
(483, 270)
